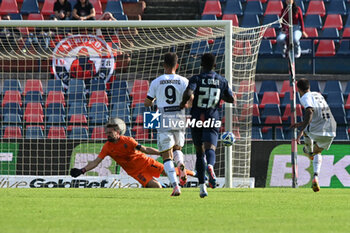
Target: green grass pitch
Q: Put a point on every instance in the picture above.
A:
(151, 210)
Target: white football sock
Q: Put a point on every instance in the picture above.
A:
(317, 162)
(171, 173)
(178, 157)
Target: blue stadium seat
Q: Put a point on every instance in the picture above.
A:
(139, 109)
(115, 7)
(306, 47)
(199, 48)
(12, 118)
(55, 113)
(218, 47)
(332, 86)
(233, 7)
(30, 6)
(314, 86)
(348, 115)
(339, 114)
(34, 132)
(256, 133)
(256, 99)
(267, 85)
(15, 16)
(33, 96)
(11, 85)
(336, 7)
(76, 85)
(286, 100)
(270, 19)
(54, 85)
(97, 85)
(120, 17)
(121, 110)
(78, 97)
(98, 113)
(254, 8)
(331, 34)
(256, 120)
(313, 21)
(347, 90)
(77, 108)
(279, 135)
(209, 17)
(300, 3)
(344, 48)
(250, 20)
(12, 108)
(342, 133)
(78, 133)
(270, 110)
(265, 48)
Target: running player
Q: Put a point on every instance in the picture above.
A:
(318, 127)
(166, 91)
(208, 89)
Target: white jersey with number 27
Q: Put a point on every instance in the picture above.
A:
(323, 123)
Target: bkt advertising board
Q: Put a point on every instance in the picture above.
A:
(335, 169)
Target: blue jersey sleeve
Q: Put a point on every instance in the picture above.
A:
(192, 83)
(226, 91)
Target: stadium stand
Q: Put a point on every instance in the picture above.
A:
(212, 7)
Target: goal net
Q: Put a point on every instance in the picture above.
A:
(62, 81)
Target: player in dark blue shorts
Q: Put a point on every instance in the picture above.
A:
(208, 89)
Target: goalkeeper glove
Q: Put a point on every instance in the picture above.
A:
(75, 172)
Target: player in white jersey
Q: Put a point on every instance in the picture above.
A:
(166, 91)
(318, 127)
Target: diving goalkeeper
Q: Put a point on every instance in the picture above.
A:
(129, 155)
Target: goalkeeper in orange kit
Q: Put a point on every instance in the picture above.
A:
(130, 155)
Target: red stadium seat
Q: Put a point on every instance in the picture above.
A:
(233, 18)
(55, 97)
(139, 119)
(8, 7)
(204, 31)
(56, 132)
(287, 112)
(312, 32)
(13, 132)
(347, 104)
(270, 32)
(271, 120)
(245, 86)
(98, 133)
(98, 7)
(35, 17)
(140, 132)
(98, 97)
(333, 21)
(33, 85)
(346, 32)
(212, 7)
(269, 97)
(34, 113)
(274, 8)
(47, 9)
(139, 91)
(326, 48)
(316, 8)
(12, 97)
(242, 48)
(78, 118)
(285, 88)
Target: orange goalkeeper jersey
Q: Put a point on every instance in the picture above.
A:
(125, 154)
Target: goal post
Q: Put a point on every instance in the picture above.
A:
(62, 80)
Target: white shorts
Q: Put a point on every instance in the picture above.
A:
(167, 139)
(321, 141)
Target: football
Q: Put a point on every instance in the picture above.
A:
(119, 122)
(228, 138)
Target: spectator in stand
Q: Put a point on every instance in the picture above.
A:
(298, 28)
(10, 38)
(84, 10)
(109, 34)
(62, 9)
(83, 67)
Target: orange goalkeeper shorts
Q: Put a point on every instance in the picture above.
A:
(153, 170)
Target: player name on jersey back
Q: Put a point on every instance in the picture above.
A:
(171, 81)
